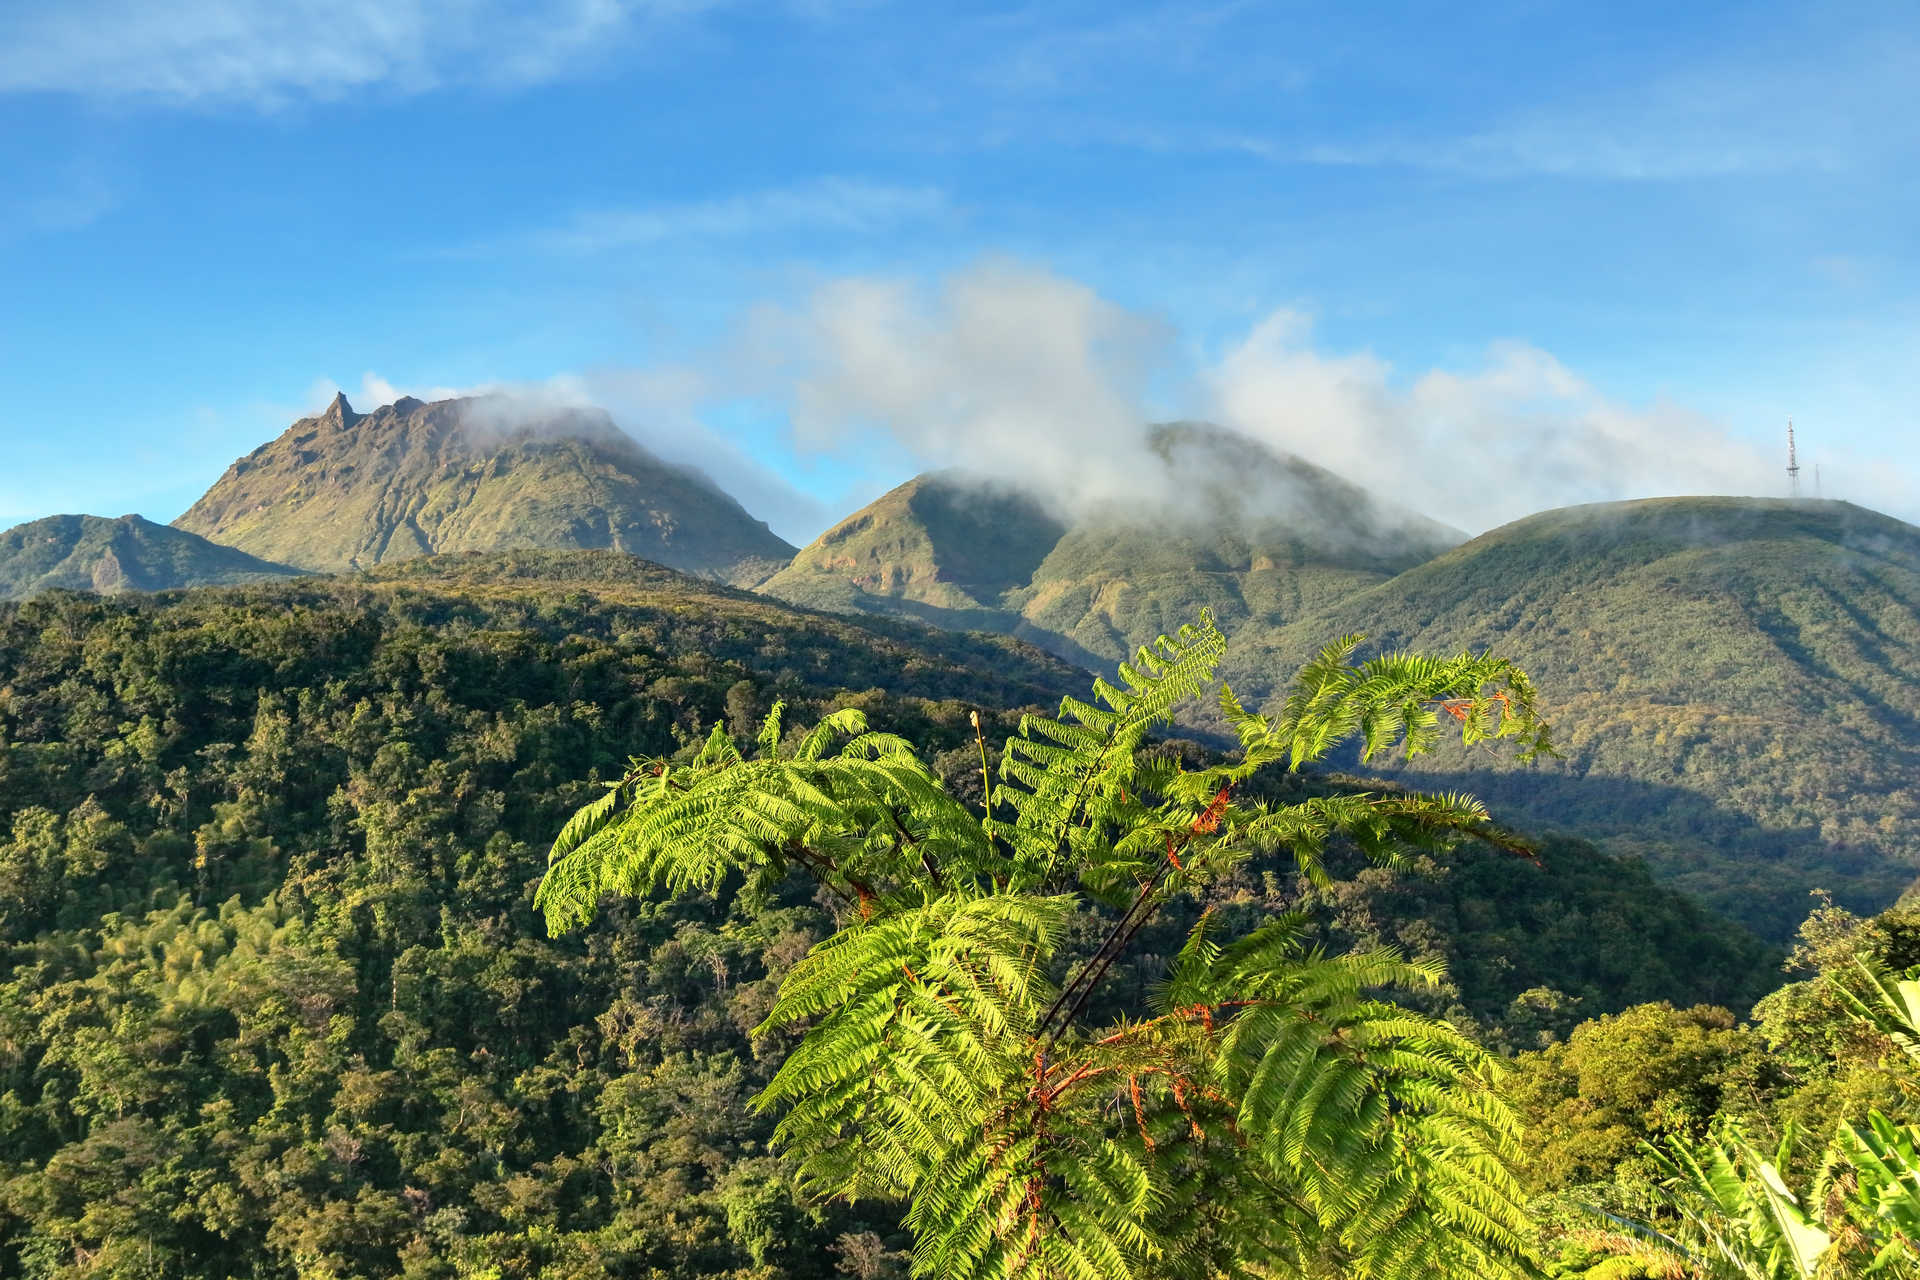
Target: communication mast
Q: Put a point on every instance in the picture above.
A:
(1793, 464)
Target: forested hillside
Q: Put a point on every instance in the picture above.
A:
(1738, 682)
(1740, 678)
(92, 553)
(275, 1001)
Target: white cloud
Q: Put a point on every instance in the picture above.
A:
(271, 53)
(847, 205)
(1007, 371)
(1520, 434)
(1036, 380)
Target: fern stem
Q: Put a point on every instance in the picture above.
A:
(817, 866)
(1073, 998)
(986, 775)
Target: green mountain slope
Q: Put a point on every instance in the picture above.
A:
(1736, 682)
(274, 1001)
(1255, 536)
(943, 548)
(93, 553)
(345, 490)
(938, 540)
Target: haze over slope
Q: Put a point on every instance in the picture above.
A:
(344, 490)
(93, 553)
(1222, 523)
(1736, 683)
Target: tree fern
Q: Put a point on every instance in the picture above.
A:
(1272, 1114)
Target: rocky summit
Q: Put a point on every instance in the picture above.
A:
(345, 490)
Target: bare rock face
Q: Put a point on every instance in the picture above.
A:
(345, 490)
(93, 553)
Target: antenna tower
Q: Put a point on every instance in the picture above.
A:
(1793, 464)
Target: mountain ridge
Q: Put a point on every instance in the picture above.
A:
(1229, 525)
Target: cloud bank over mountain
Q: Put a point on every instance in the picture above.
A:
(1025, 375)
(1028, 377)
(1518, 434)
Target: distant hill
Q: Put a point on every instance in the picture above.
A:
(1736, 684)
(1257, 536)
(346, 490)
(93, 553)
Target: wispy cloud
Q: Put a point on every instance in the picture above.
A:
(833, 204)
(1794, 92)
(1477, 448)
(272, 53)
(1035, 379)
(1006, 370)
(1040, 51)
(67, 197)
(1814, 105)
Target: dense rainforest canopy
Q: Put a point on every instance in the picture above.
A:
(274, 1000)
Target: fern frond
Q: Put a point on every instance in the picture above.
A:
(1384, 1121)
(1394, 699)
(869, 820)
(1279, 1116)
(921, 1015)
(1070, 782)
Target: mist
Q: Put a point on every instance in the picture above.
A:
(1520, 433)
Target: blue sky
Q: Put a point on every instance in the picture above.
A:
(1554, 251)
